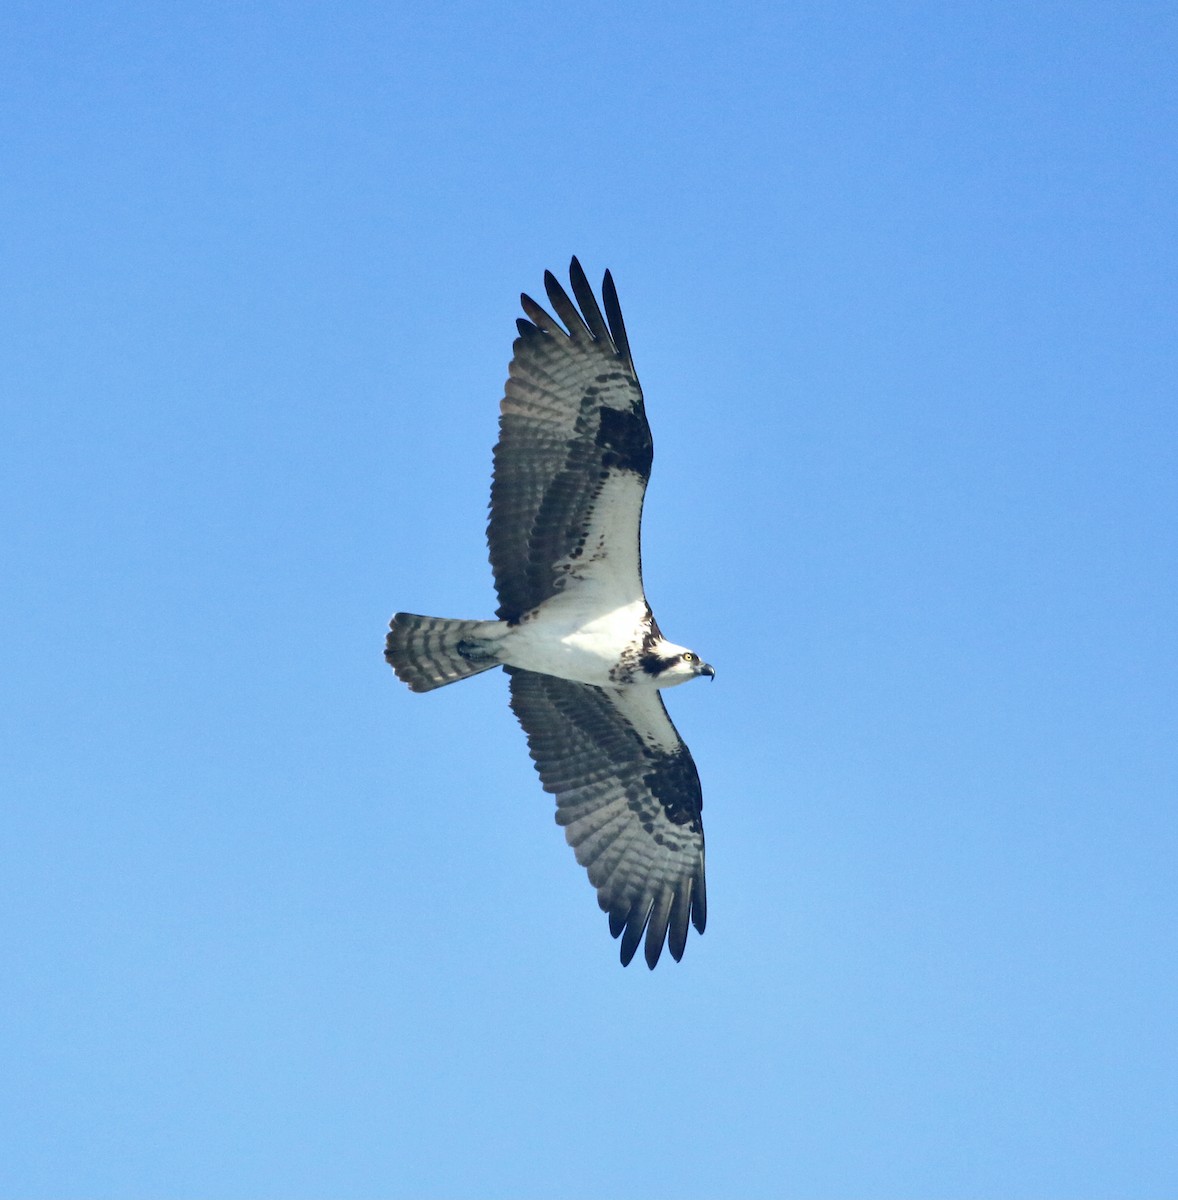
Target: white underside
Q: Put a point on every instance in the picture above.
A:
(561, 638)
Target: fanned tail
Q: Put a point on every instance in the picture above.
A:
(429, 652)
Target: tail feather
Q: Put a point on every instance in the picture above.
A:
(429, 652)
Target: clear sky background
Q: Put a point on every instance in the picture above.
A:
(902, 286)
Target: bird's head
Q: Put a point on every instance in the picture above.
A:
(671, 665)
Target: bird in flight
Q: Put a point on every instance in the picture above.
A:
(574, 632)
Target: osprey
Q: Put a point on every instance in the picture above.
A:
(585, 657)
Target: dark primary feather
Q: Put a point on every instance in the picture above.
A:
(571, 419)
(628, 796)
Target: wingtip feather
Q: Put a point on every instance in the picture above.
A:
(656, 929)
(699, 904)
(613, 314)
(636, 921)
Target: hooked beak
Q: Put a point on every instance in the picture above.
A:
(706, 669)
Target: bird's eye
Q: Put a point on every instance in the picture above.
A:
(689, 657)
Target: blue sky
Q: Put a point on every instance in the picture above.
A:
(901, 286)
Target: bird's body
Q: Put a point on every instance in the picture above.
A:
(558, 639)
(574, 630)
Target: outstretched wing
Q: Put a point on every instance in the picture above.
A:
(573, 455)
(628, 796)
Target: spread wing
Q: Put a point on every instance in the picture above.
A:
(628, 796)
(573, 455)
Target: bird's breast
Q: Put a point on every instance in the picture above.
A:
(567, 638)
